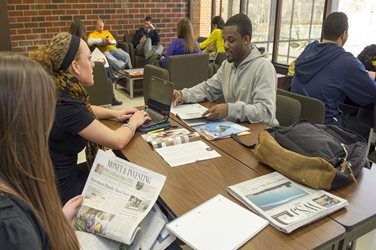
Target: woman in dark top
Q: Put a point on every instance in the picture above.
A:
(30, 210)
(67, 58)
(184, 44)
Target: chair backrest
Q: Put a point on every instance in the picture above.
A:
(221, 56)
(288, 110)
(188, 70)
(313, 109)
(100, 93)
(128, 38)
(149, 71)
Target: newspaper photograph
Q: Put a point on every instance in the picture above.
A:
(117, 197)
(285, 203)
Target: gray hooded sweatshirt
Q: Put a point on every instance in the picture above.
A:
(249, 89)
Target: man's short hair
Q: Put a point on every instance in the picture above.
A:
(148, 19)
(335, 25)
(243, 23)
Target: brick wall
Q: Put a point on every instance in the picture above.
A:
(35, 22)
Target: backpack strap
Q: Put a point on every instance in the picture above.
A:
(237, 139)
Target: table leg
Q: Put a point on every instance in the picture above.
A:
(131, 81)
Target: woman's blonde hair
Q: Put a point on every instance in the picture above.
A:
(27, 106)
(185, 31)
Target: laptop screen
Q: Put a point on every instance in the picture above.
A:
(160, 95)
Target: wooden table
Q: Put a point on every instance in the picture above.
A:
(188, 186)
(358, 218)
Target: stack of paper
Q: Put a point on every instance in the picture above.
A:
(217, 224)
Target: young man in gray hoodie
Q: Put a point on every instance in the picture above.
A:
(247, 80)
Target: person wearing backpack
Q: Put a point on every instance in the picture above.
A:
(327, 72)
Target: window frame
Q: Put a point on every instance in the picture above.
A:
(281, 68)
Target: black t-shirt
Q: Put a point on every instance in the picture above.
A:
(65, 143)
(19, 227)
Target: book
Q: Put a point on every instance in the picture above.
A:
(180, 146)
(171, 137)
(190, 114)
(119, 203)
(286, 204)
(217, 224)
(220, 129)
(97, 55)
(188, 111)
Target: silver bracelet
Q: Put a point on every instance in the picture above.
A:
(130, 127)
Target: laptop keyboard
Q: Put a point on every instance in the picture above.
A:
(155, 119)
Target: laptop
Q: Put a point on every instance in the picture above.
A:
(158, 104)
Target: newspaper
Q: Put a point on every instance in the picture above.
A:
(117, 197)
(153, 235)
(286, 204)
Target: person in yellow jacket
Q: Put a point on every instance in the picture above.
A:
(103, 39)
(214, 43)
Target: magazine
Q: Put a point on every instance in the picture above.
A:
(286, 204)
(221, 129)
(180, 146)
(118, 195)
(171, 137)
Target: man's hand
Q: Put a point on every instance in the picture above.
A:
(150, 25)
(70, 208)
(106, 40)
(217, 112)
(177, 97)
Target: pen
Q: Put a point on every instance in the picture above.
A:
(155, 131)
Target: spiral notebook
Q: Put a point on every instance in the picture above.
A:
(217, 224)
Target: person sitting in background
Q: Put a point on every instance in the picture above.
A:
(78, 28)
(214, 43)
(67, 58)
(368, 58)
(103, 39)
(31, 216)
(325, 71)
(146, 40)
(184, 44)
(247, 80)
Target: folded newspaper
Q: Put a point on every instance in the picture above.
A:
(286, 204)
(118, 196)
(171, 137)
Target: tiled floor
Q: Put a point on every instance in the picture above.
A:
(367, 242)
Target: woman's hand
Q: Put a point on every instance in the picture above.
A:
(123, 114)
(70, 208)
(138, 118)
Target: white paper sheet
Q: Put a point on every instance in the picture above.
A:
(187, 153)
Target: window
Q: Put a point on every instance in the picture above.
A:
(301, 23)
(362, 21)
(262, 15)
